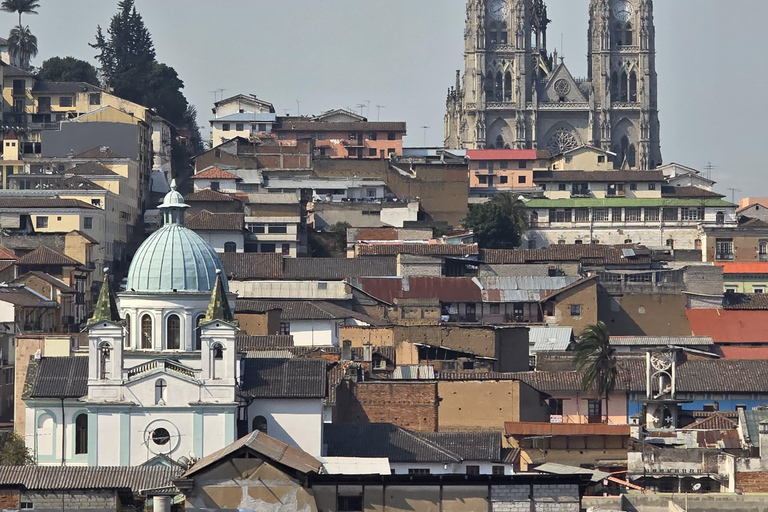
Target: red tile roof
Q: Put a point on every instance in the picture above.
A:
(445, 289)
(214, 173)
(208, 195)
(207, 221)
(730, 352)
(7, 255)
(714, 422)
(564, 429)
(46, 256)
(586, 254)
(502, 154)
(744, 268)
(460, 250)
(729, 326)
(377, 234)
(98, 152)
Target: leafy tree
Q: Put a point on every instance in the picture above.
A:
(339, 233)
(515, 208)
(13, 451)
(595, 357)
(163, 94)
(22, 46)
(494, 228)
(68, 69)
(20, 6)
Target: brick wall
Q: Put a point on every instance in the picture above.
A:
(752, 482)
(9, 499)
(411, 405)
(548, 497)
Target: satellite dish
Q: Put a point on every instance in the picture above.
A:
(696, 487)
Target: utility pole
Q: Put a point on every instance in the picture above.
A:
(379, 107)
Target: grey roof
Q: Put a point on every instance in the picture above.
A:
(23, 296)
(248, 343)
(548, 339)
(753, 420)
(247, 117)
(303, 310)
(16, 72)
(44, 478)
(91, 169)
(283, 378)
(63, 87)
(522, 288)
(57, 377)
(401, 445)
(243, 266)
(652, 341)
(336, 269)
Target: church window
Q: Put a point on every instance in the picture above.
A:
(173, 332)
(614, 87)
(489, 87)
(632, 87)
(161, 436)
(498, 88)
(198, 333)
(618, 35)
(623, 82)
(508, 86)
(81, 434)
(500, 142)
(146, 331)
(160, 387)
(218, 352)
(632, 156)
(562, 141)
(503, 34)
(629, 36)
(127, 340)
(259, 423)
(104, 358)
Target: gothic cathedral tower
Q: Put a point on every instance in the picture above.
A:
(515, 94)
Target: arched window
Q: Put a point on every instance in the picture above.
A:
(198, 334)
(218, 352)
(160, 387)
(633, 86)
(632, 156)
(105, 355)
(503, 33)
(623, 81)
(493, 34)
(259, 423)
(508, 86)
(498, 87)
(146, 331)
(629, 37)
(230, 247)
(500, 142)
(127, 341)
(618, 35)
(489, 87)
(81, 434)
(173, 332)
(614, 87)
(720, 218)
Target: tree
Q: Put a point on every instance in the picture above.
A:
(493, 227)
(13, 451)
(594, 356)
(22, 46)
(68, 69)
(339, 234)
(20, 6)
(515, 208)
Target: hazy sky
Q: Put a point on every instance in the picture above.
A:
(402, 54)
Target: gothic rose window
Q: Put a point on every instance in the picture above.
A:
(562, 141)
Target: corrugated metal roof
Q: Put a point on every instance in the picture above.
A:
(548, 339)
(564, 429)
(414, 372)
(521, 288)
(58, 377)
(445, 289)
(283, 378)
(653, 341)
(331, 269)
(384, 440)
(49, 478)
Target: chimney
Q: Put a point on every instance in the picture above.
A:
(763, 429)
(346, 350)
(367, 353)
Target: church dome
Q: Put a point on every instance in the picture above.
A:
(174, 258)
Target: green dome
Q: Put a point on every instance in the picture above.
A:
(174, 258)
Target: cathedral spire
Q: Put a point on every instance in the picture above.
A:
(106, 307)
(218, 307)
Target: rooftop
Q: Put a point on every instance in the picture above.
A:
(22, 296)
(336, 269)
(422, 249)
(656, 341)
(215, 173)
(243, 266)
(37, 204)
(63, 87)
(445, 289)
(50, 478)
(729, 326)
(626, 202)
(302, 310)
(247, 117)
(688, 192)
(502, 154)
(57, 377)
(597, 176)
(208, 195)
(302, 125)
(283, 378)
(99, 152)
(91, 169)
(744, 268)
(45, 255)
(564, 429)
(586, 254)
(207, 221)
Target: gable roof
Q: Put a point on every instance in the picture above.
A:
(445, 289)
(91, 169)
(246, 117)
(460, 250)
(302, 310)
(669, 191)
(5, 254)
(560, 73)
(265, 446)
(57, 377)
(49, 478)
(44, 202)
(214, 173)
(585, 254)
(207, 221)
(597, 176)
(22, 296)
(283, 378)
(208, 195)
(48, 278)
(44, 255)
(714, 422)
(336, 269)
(243, 266)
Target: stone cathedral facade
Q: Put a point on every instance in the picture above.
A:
(515, 94)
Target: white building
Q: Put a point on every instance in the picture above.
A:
(161, 147)
(243, 115)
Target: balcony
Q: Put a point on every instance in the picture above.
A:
(724, 256)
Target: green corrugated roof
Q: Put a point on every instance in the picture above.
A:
(587, 202)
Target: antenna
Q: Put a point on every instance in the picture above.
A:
(221, 91)
(709, 168)
(361, 106)
(562, 48)
(425, 134)
(733, 194)
(298, 107)
(368, 108)
(215, 97)
(379, 107)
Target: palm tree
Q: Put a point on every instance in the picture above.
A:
(516, 210)
(20, 6)
(22, 46)
(595, 357)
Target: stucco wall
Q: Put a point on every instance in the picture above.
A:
(298, 422)
(644, 315)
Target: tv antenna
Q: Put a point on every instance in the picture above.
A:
(379, 107)
(361, 106)
(368, 108)
(709, 168)
(425, 134)
(733, 194)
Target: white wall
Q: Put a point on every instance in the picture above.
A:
(217, 239)
(299, 290)
(486, 468)
(398, 216)
(315, 333)
(298, 422)
(224, 185)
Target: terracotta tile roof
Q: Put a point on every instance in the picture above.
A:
(744, 268)
(99, 152)
(714, 422)
(302, 310)
(729, 326)
(283, 378)
(243, 266)
(44, 202)
(502, 154)
(50, 478)
(564, 429)
(459, 250)
(215, 173)
(207, 195)
(335, 269)
(735, 352)
(597, 176)
(683, 192)
(445, 289)
(586, 254)
(44, 255)
(5, 254)
(377, 234)
(208, 221)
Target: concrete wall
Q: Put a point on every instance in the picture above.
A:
(298, 422)
(411, 405)
(585, 296)
(712, 502)
(92, 500)
(644, 315)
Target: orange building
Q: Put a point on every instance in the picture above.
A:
(504, 170)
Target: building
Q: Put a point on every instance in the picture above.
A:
(243, 115)
(514, 94)
(503, 170)
(745, 243)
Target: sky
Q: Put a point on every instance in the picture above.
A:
(308, 56)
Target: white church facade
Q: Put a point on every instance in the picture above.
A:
(163, 376)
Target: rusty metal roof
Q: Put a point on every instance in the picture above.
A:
(564, 429)
(460, 250)
(521, 288)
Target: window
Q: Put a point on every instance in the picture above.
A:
(418, 471)
(225, 127)
(81, 434)
(575, 309)
(215, 185)
(278, 228)
(560, 215)
(671, 243)
(724, 249)
(600, 215)
(218, 352)
(259, 423)
(627, 241)
(601, 159)
(65, 101)
(498, 470)
(503, 165)
(372, 152)
(490, 166)
(349, 503)
(285, 249)
(160, 387)
(239, 127)
(285, 328)
(373, 136)
(18, 87)
(495, 309)
(352, 136)
(692, 214)
(198, 333)
(580, 189)
(26, 505)
(146, 331)
(482, 180)
(633, 186)
(561, 187)
(582, 215)
(18, 106)
(105, 352)
(521, 164)
(94, 98)
(616, 214)
(531, 244)
(255, 228)
(758, 289)
(503, 180)
(173, 332)
(41, 222)
(262, 127)
(579, 242)
(632, 214)
(391, 136)
(595, 411)
(651, 186)
(267, 248)
(762, 250)
(555, 406)
(230, 247)
(96, 202)
(561, 241)
(87, 222)
(473, 470)
(161, 436)
(615, 189)
(521, 179)
(651, 215)
(670, 214)
(720, 218)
